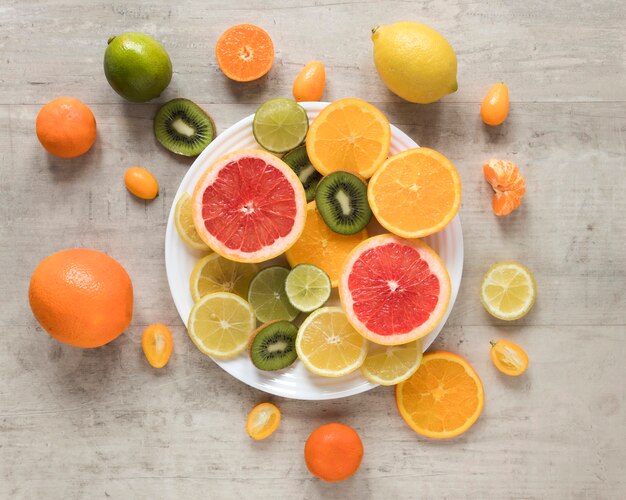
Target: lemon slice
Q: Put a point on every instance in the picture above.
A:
(328, 345)
(214, 273)
(220, 324)
(183, 220)
(390, 365)
(508, 290)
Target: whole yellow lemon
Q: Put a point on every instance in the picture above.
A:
(416, 62)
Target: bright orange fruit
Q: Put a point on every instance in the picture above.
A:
(81, 297)
(333, 452)
(507, 182)
(495, 106)
(244, 52)
(349, 134)
(66, 127)
(321, 246)
(443, 398)
(415, 193)
(262, 421)
(156, 343)
(508, 357)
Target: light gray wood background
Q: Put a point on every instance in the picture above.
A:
(103, 424)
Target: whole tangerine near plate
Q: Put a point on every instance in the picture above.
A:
(443, 398)
(333, 452)
(415, 193)
(81, 297)
(394, 290)
(249, 206)
(66, 127)
(244, 52)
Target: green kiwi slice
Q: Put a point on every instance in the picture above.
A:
(183, 127)
(299, 162)
(273, 346)
(341, 200)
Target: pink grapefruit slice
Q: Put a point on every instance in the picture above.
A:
(249, 206)
(394, 290)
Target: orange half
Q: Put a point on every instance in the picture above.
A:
(443, 398)
(415, 193)
(349, 134)
(244, 52)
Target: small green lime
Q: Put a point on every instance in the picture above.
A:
(267, 295)
(308, 287)
(137, 66)
(280, 125)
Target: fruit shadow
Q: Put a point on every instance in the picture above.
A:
(70, 169)
(243, 91)
(418, 121)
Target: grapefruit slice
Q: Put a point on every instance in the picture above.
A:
(249, 206)
(394, 290)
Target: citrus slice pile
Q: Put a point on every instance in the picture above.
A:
(349, 134)
(322, 247)
(508, 290)
(249, 206)
(394, 290)
(392, 364)
(214, 273)
(443, 398)
(328, 345)
(220, 324)
(268, 297)
(415, 193)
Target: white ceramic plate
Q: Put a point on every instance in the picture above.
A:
(295, 382)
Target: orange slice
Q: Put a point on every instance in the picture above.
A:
(349, 134)
(415, 193)
(443, 398)
(322, 247)
(244, 52)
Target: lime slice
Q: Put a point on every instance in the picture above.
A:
(508, 290)
(328, 344)
(220, 324)
(308, 287)
(183, 220)
(280, 125)
(268, 297)
(390, 365)
(215, 273)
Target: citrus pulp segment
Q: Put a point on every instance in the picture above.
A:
(214, 273)
(308, 287)
(415, 193)
(249, 206)
(322, 247)
(280, 125)
(443, 398)
(328, 345)
(390, 365)
(268, 297)
(508, 290)
(349, 134)
(183, 220)
(394, 290)
(220, 324)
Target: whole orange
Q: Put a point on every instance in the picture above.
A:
(66, 127)
(81, 297)
(333, 452)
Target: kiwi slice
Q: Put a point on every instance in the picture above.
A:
(183, 127)
(341, 199)
(299, 162)
(273, 346)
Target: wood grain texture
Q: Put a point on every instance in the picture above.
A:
(102, 423)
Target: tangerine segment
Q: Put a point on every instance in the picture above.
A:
(349, 134)
(262, 421)
(415, 193)
(393, 290)
(244, 52)
(507, 182)
(443, 398)
(156, 343)
(249, 206)
(322, 247)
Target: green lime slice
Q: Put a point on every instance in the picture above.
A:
(308, 287)
(280, 125)
(268, 297)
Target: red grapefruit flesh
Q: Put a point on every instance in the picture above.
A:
(394, 290)
(249, 206)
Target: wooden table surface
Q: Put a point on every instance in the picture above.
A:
(103, 424)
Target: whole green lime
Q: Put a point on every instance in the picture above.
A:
(137, 66)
